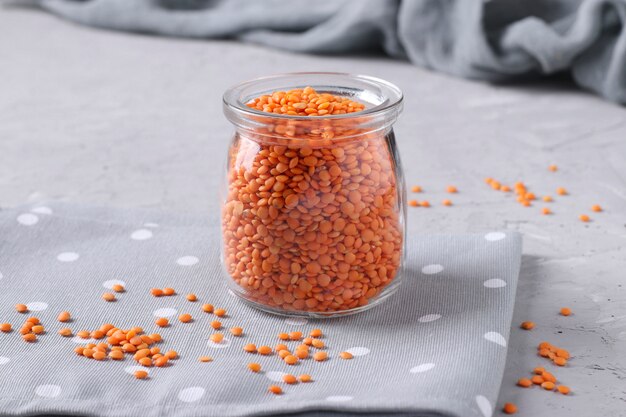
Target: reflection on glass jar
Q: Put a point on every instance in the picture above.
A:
(313, 206)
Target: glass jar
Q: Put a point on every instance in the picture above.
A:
(313, 207)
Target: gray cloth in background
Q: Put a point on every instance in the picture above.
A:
(435, 348)
(497, 40)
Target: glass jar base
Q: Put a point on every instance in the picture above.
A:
(382, 297)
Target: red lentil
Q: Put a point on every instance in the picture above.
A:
(64, 317)
(236, 331)
(596, 208)
(207, 308)
(162, 322)
(219, 312)
(509, 408)
(584, 218)
(527, 325)
(191, 297)
(524, 382)
(168, 291)
(290, 379)
(21, 308)
(565, 311)
(118, 288)
(254, 367)
(275, 389)
(5, 327)
(305, 378)
(141, 374)
(185, 318)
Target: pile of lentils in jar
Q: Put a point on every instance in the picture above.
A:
(311, 220)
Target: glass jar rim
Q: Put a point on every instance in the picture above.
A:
(233, 97)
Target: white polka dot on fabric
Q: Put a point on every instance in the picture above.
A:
(48, 391)
(422, 368)
(79, 340)
(132, 369)
(275, 376)
(296, 321)
(187, 260)
(493, 236)
(191, 394)
(432, 269)
(141, 234)
(339, 398)
(164, 312)
(429, 317)
(221, 345)
(494, 283)
(37, 306)
(68, 256)
(358, 351)
(495, 337)
(42, 210)
(484, 406)
(151, 225)
(110, 283)
(27, 219)
(4, 360)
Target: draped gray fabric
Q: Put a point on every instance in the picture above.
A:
(497, 40)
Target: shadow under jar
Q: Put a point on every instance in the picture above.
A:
(313, 204)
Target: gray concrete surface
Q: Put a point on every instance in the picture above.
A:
(134, 121)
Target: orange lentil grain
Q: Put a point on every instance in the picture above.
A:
(547, 376)
(161, 361)
(141, 374)
(118, 288)
(216, 324)
(107, 296)
(83, 334)
(305, 378)
(416, 189)
(451, 189)
(596, 208)
(565, 311)
(29, 337)
(116, 355)
(413, 203)
(275, 389)
(283, 336)
(79, 350)
(205, 359)
(563, 389)
(295, 335)
(562, 353)
(218, 337)
(584, 218)
(317, 343)
(156, 337)
(320, 356)
(254, 367)
(21, 308)
(280, 347)
(65, 332)
(552, 168)
(97, 334)
(264, 350)
(64, 317)
(172, 354)
(509, 408)
(424, 203)
(291, 359)
(346, 355)
(88, 352)
(162, 322)
(168, 291)
(561, 191)
(527, 325)
(207, 308)
(539, 370)
(99, 355)
(560, 361)
(185, 318)
(284, 353)
(446, 202)
(157, 292)
(219, 312)
(5, 327)
(290, 379)
(524, 382)
(547, 198)
(545, 211)
(236, 331)
(548, 385)
(537, 379)
(505, 188)
(301, 353)
(251, 348)
(316, 333)
(191, 297)
(145, 361)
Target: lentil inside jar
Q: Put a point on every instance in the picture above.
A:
(313, 212)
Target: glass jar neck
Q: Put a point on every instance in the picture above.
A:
(382, 100)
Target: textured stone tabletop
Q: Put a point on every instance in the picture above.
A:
(134, 121)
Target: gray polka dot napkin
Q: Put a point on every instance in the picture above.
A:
(437, 347)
